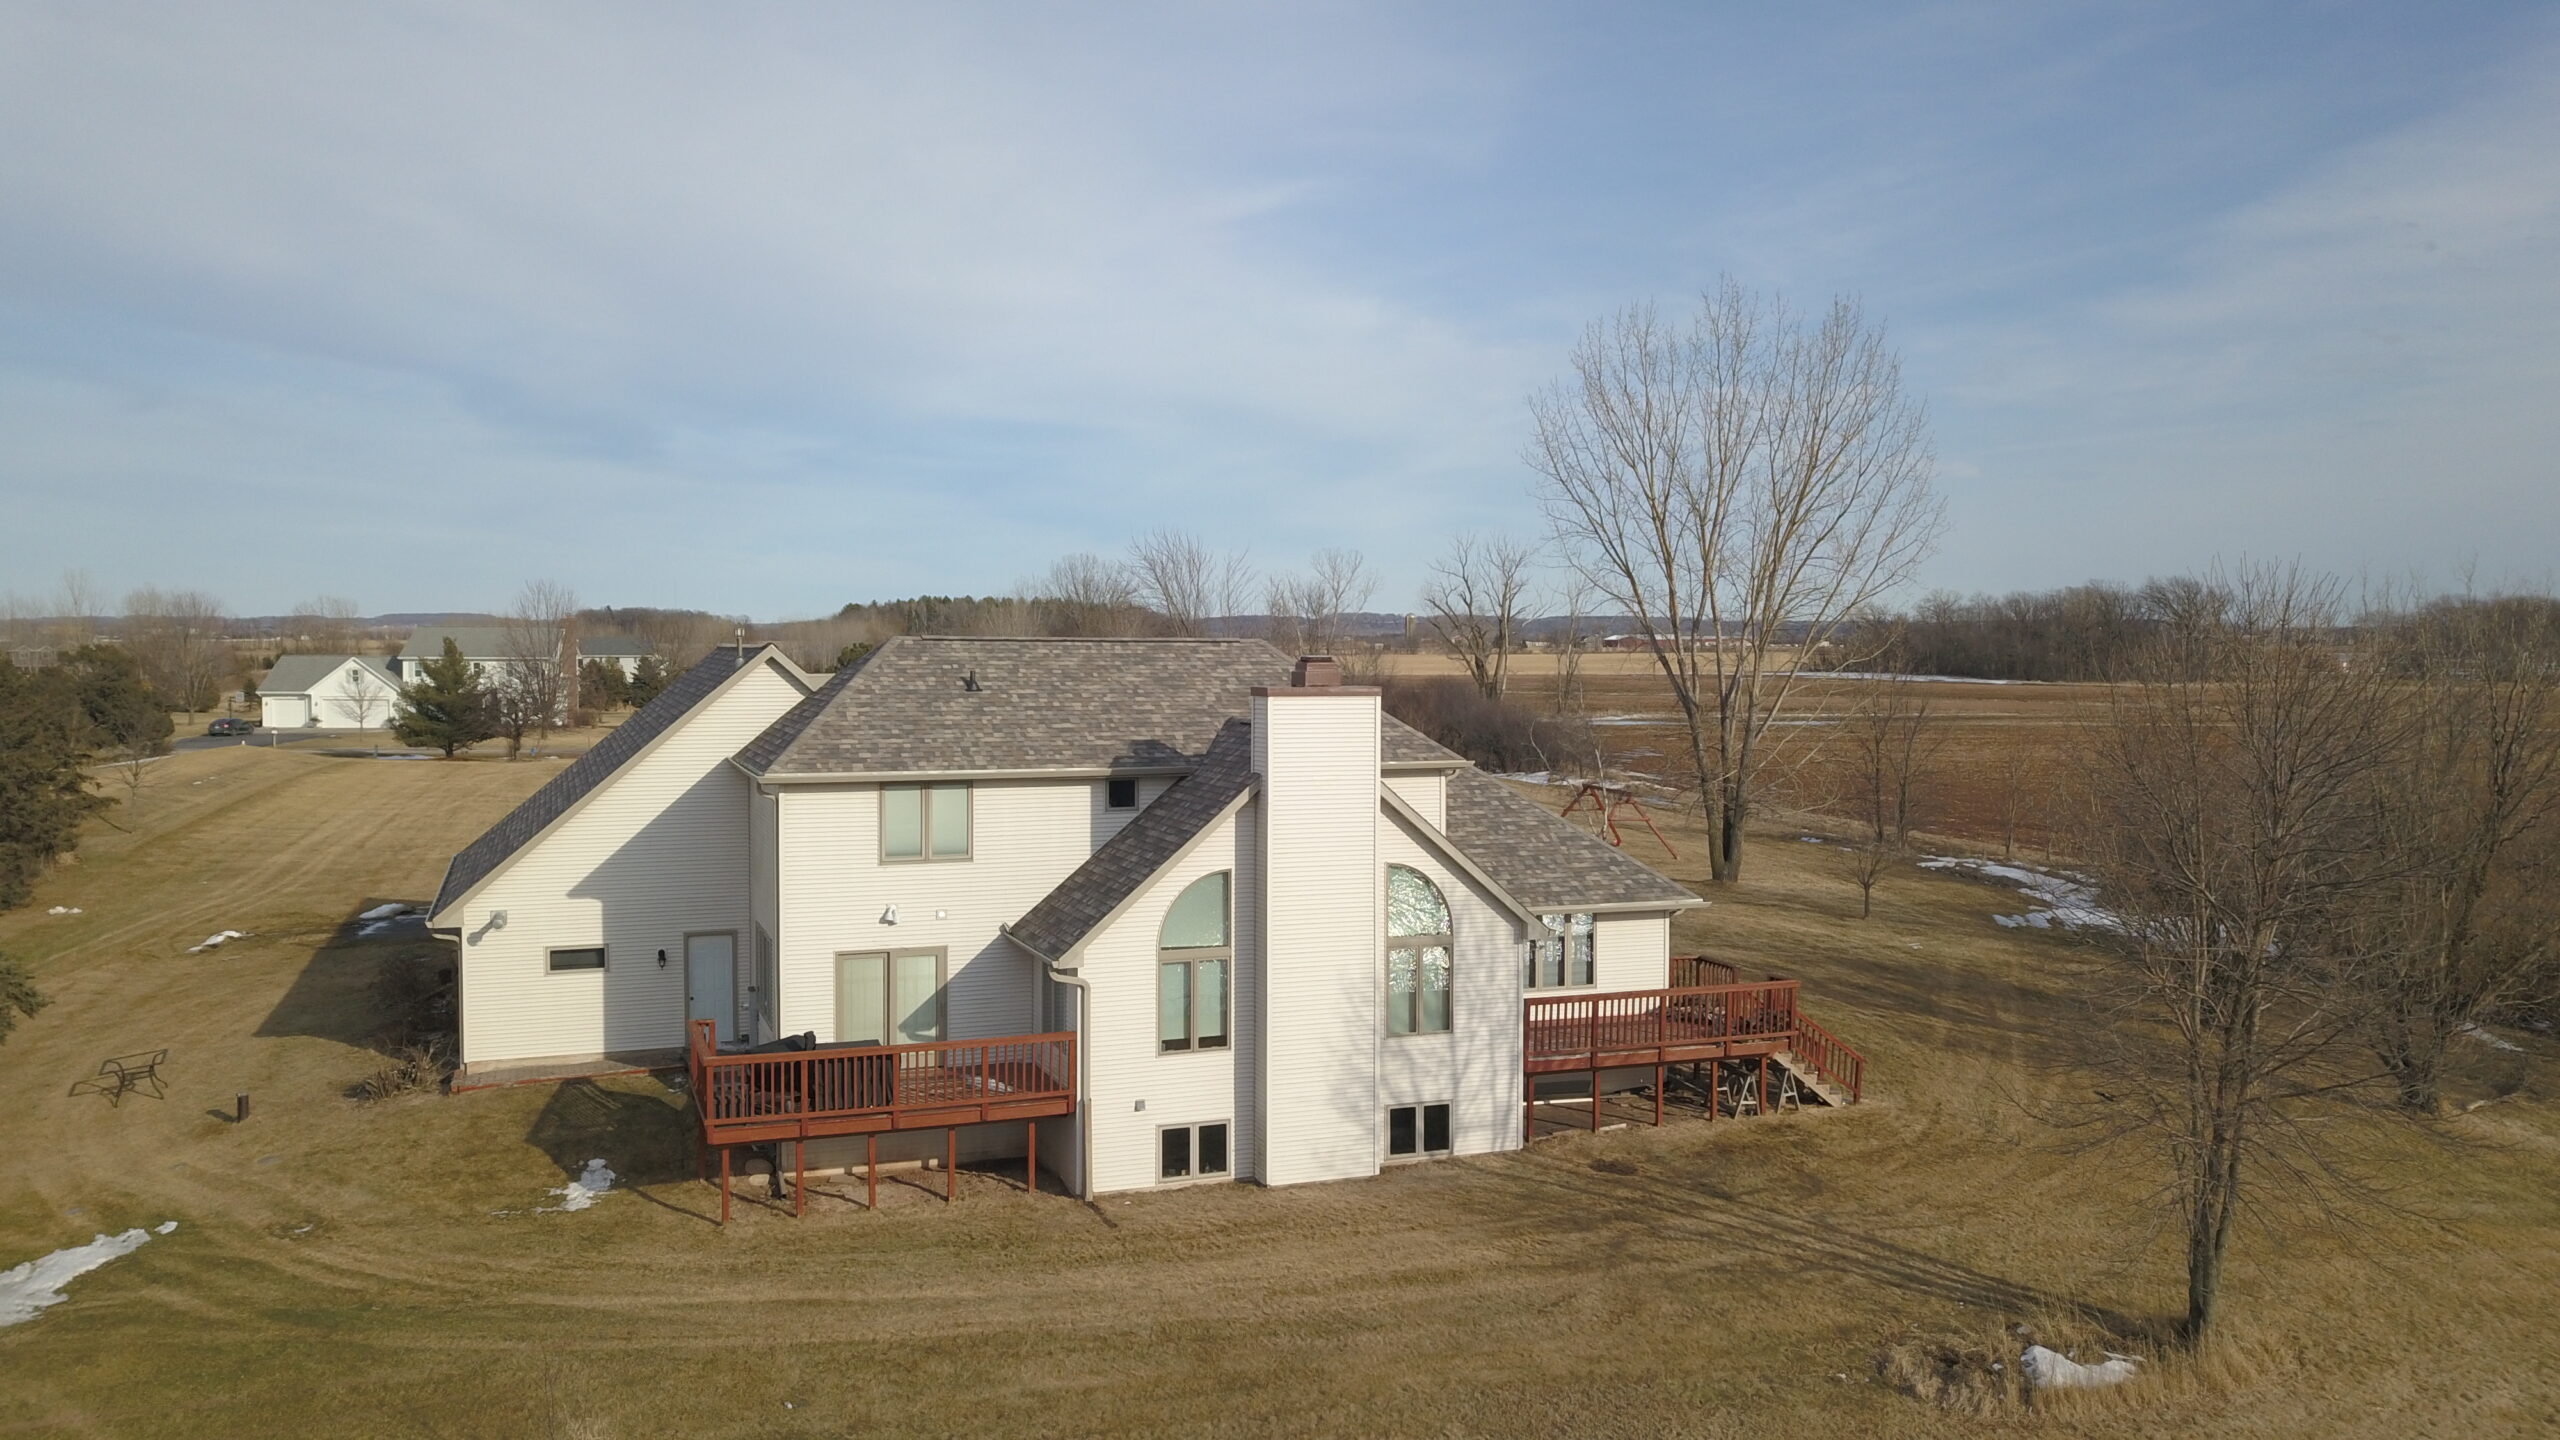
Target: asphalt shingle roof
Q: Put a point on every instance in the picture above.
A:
(633, 645)
(1040, 705)
(478, 860)
(1082, 901)
(1543, 862)
(296, 674)
(476, 642)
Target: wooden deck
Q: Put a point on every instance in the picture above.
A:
(1726, 1019)
(837, 1090)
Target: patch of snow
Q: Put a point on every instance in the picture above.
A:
(2053, 1370)
(1635, 720)
(584, 1191)
(1529, 777)
(36, 1285)
(1810, 839)
(64, 910)
(2481, 1033)
(223, 938)
(165, 1227)
(384, 912)
(2066, 899)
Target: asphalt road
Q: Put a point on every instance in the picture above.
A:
(202, 741)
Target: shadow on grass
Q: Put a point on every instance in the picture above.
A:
(336, 995)
(640, 1129)
(1615, 1212)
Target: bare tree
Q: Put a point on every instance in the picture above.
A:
(369, 699)
(177, 637)
(1308, 611)
(76, 610)
(1085, 594)
(1180, 578)
(1573, 600)
(1743, 488)
(326, 624)
(2231, 787)
(1474, 596)
(2465, 918)
(535, 675)
(1891, 745)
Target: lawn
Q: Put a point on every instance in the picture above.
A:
(344, 1269)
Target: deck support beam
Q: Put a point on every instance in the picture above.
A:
(799, 1178)
(724, 1184)
(871, 1172)
(950, 1164)
(1031, 1156)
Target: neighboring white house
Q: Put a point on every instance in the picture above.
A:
(489, 648)
(1168, 909)
(332, 692)
(622, 652)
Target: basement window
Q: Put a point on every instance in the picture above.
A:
(1120, 795)
(591, 958)
(1190, 1152)
(1414, 1131)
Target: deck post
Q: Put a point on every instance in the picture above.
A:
(799, 1177)
(1031, 1156)
(950, 1163)
(1761, 1096)
(1657, 1094)
(1715, 1077)
(871, 1171)
(724, 1184)
(1595, 1095)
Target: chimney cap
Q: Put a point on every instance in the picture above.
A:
(1316, 672)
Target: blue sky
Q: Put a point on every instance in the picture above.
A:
(761, 309)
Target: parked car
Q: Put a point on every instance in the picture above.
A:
(232, 725)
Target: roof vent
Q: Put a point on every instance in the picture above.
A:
(969, 682)
(1317, 672)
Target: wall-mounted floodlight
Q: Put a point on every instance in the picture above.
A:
(889, 916)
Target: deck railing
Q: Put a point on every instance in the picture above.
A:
(1834, 1061)
(1632, 1022)
(1688, 971)
(851, 1088)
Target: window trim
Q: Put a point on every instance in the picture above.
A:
(1421, 1132)
(1446, 942)
(889, 983)
(1188, 960)
(1111, 789)
(1543, 936)
(1197, 1176)
(923, 790)
(551, 959)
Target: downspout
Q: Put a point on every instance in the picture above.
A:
(1084, 1060)
(1084, 1101)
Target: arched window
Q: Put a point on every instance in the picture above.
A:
(1418, 944)
(1195, 953)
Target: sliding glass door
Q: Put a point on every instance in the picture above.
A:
(889, 997)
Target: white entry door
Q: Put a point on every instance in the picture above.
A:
(711, 983)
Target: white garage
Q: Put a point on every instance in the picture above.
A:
(328, 692)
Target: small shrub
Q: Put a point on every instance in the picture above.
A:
(19, 996)
(408, 1070)
(414, 992)
(1498, 734)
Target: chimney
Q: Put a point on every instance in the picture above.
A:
(1319, 916)
(1317, 672)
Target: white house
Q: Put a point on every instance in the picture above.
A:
(333, 692)
(622, 652)
(489, 648)
(1143, 911)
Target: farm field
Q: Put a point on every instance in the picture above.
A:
(392, 1269)
(1999, 752)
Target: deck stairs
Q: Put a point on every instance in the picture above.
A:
(1807, 1075)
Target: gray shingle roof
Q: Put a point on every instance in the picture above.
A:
(632, 645)
(296, 674)
(478, 860)
(1041, 705)
(1545, 863)
(476, 642)
(1126, 861)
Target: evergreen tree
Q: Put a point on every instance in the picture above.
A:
(18, 995)
(448, 708)
(123, 718)
(647, 679)
(602, 685)
(43, 793)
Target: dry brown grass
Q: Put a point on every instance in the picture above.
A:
(346, 1269)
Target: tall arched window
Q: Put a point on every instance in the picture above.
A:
(1418, 944)
(1195, 953)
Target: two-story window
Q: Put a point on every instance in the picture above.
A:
(924, 822)
(1564, 955)
(1195, 956)
(1418, 949)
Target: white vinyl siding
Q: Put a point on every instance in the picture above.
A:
(1476, 1065)
(1125, 1064)
(1632, 952)
(661, 849)
(1323, 928)
(1427, 792)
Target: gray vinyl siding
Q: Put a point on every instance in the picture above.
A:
(1427, 792)
(1475, 1067)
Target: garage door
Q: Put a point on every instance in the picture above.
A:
(284, 710)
